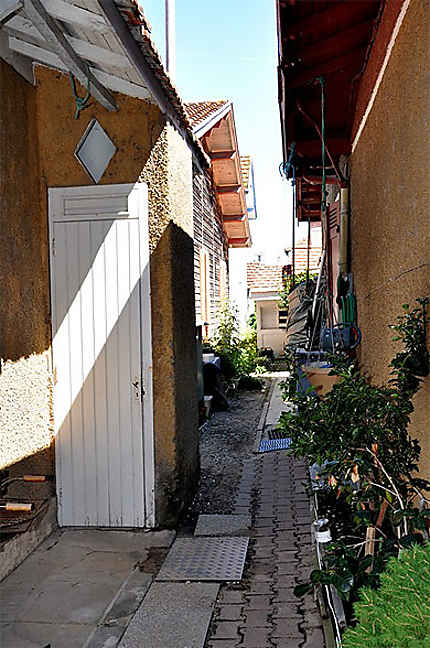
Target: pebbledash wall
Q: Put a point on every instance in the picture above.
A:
(41, 155)
(390, 198)
(25, 379)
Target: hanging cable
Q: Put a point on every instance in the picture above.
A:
(80, 102)
(284, 167)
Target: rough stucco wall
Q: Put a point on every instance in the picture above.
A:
(151, 151)
(168, 174)
(390, 197)
(25, 387)
(181, 209)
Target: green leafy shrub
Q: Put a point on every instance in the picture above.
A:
(249, 360)
(358, 435)
(239, 356)
(397, 615)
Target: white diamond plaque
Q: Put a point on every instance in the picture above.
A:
(95, 150)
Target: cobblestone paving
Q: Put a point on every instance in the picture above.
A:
(261, 611)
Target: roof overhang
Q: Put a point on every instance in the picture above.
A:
(270, 294)
(107, 48)
(328, 40)
(219, 140)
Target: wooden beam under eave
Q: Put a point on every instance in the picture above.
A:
(312, 148)
(51, 32)
(8, 10)
(339, 16)
(228, 188)
(239, 242)
(327, 49)
(294, 78)
(22, 65)
(223, 155)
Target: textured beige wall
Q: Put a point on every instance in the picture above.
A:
(25, 387)
(41, 121)
(390, 198)
(149, 150)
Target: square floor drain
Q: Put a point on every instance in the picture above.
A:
(205, 559)
(269, 445)
(223, 525)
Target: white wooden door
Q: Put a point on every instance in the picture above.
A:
(100, 293)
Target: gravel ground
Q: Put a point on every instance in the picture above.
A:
(226, 441)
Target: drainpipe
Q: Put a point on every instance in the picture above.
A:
(343, 242)
(343, 235)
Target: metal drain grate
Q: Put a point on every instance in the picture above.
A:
(205, 559)
(274, 444)
(275, 433)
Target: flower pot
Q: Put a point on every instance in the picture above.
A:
(320, 379)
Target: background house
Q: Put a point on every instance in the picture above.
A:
(98, 380)
(239, 258)
(264, 286)
(221, 217)
(305, 251)
(371, 63)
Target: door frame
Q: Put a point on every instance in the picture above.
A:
(138, 206)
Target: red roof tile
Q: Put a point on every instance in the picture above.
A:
(199, 111)
(264, 277)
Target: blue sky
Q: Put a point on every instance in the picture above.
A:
(228, 50)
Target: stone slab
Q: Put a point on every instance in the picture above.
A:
(172, 615)
(222, 525)
(118, 615)
(39, 635)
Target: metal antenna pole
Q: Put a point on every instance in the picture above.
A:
(170, 39)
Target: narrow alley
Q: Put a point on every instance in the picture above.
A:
(98, 589)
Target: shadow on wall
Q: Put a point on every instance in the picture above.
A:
(41, 155)
(105, 462)
(103, 434)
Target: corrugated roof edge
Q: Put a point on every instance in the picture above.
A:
(161, 81)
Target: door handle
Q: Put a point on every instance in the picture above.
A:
(139, 392)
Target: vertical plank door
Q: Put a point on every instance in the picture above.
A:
(102, 355)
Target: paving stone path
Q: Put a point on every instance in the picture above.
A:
(261, 611)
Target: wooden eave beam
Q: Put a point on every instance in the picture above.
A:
(9, 10)
(337, 17)
(236, 218)
(329, 48)
(30, 52)
(51, 32)
(21, 64)
(222, 155)
(24, 28)
(295, 78)
(317, 181)
(228, 189)
(311, 148)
